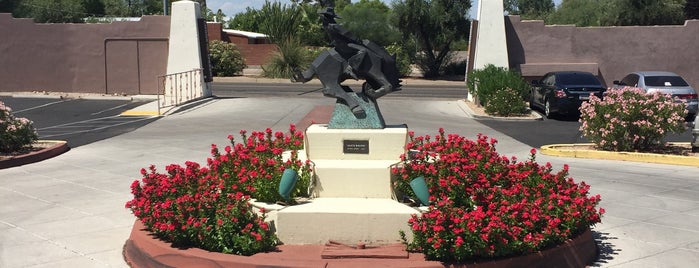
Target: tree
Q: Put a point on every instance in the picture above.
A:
(435, 24)
(280, 25)
(691, 10)
(530, 9)
(246, 21)
(370, 19)
(649, 12)
(584, 13)
(51, 11)
(94, 7)
(219, 16)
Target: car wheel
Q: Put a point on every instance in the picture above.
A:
(547, 109)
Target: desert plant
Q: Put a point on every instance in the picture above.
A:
(208, 207)
(629, 119)
(505, 102)
(484, 205)
(402, 59)
(290, 56)
(226, 59)
(485, 83)
(16, 133)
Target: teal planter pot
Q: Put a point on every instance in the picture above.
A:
(421, 190)
(287, 183)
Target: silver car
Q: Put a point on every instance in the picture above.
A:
(665, 82)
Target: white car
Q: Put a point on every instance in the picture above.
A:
(665, 82)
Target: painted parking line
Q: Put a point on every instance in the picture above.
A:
(88, 126)
(40, 106)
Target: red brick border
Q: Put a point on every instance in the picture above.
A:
(58, 148)
(142, 249)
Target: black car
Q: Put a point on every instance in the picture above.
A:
(562, 93)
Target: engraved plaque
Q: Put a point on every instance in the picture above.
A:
(355, 146)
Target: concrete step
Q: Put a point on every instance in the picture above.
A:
(353, 178)
(373, 221)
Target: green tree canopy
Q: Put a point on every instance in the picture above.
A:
(583, 13)
(529, 9)
(618, 12)
(51, 11)
(691, 10)
(436, 25)
(370, 19)
(246, 21)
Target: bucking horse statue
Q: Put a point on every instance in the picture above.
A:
(350, 57)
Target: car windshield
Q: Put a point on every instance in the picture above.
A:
(665, 81)
(578, 79)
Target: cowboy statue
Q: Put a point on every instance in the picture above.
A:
(350, 57)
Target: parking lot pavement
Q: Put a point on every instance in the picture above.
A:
(68, 211)
(78, 121)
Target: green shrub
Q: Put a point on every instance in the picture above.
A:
(628, 119)
(402, 59)
(16, 133)
(485, 83)
(226, 59)
(455, 68)
(290, 56)
(505, 102)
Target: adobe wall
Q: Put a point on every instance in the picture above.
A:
(254, 53)
(612, 52)
(111, 58)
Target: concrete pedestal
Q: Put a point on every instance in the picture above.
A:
(354, 162)
(353, 192)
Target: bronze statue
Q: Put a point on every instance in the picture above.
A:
(351, 58)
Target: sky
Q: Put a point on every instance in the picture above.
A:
(232, 7)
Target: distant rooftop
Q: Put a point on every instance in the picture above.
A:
(109, 19)
(245, 33)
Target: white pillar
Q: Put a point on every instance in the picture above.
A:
(184, 53)
(491, 44)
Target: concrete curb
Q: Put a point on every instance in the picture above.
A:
(57, 148)
(264, 80)
(569, 150)
(70, 95)
(471, 114)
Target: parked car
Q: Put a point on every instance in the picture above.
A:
(665, 82)
(562, 93)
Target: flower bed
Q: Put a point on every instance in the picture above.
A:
(484, 205)
(208, 207)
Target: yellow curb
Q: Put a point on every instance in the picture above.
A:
(568, 150)
(139, 113)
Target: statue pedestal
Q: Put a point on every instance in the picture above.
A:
(354, 162)
(353, 192)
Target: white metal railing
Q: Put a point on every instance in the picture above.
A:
(179, 88)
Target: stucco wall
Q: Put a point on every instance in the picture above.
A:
(255, 51)
(112, 58)
(535, 48)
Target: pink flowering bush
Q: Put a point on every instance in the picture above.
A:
(629, 119)
(484, 205)
(208, 207)
(16, 133)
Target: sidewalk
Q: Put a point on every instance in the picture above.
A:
(68, 211)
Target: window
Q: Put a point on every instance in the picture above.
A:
(578, 79)
(665, 81)
(630, 80)
(549, 80)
